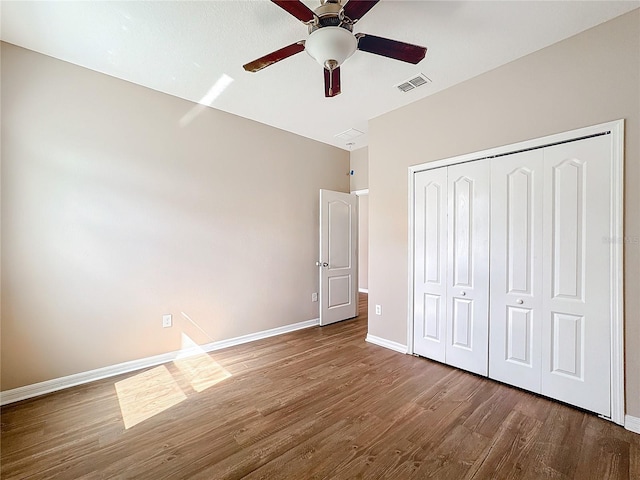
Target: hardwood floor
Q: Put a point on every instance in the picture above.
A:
(317, 403)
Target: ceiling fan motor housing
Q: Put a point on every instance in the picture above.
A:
(330, 14)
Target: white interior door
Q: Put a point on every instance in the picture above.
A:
(468, 267)
(430, 272)
(576, 329)
(515, 348)
(338, 263)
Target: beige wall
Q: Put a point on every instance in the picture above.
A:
(359, 161)
(591, 78)
(113, 215)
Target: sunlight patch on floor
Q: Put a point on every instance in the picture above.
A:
(198, 368)
(147, 394)
(153, 391)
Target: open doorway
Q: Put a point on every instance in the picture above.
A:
(359, 185)
(363, 240)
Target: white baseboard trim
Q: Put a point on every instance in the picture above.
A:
(252, 337)
(48, 386)
(383, 342)
(363, 290)
(632, 423)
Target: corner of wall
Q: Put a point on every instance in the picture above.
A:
(359, 165)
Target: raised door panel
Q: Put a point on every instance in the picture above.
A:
(462, 327)
(462, 231)
(519, 337)
(339, 290)
(577, 318)
(567, 355)
(430, 253)
(340, 222)
(516, 269)
(468, 266)
(568, 209)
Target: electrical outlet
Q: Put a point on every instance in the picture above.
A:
(378, 309)
(166, 321)
(314, 297)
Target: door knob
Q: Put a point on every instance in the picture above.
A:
(519, 301)
(322, 264)
(464, 294)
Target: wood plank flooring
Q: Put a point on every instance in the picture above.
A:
(314, 404)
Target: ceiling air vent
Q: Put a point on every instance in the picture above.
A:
(412, 83)
(349, 134)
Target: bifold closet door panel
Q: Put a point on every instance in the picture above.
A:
(576, 329)
(515, 319)
(467, 344)
(430, 271)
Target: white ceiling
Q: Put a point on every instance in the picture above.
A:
(185, 48)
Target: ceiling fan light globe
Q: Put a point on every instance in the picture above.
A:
(333, 44)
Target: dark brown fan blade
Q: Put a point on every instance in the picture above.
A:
(391, 48)
(296, 8)
(332, 82)
(274, 57)
(356, 9)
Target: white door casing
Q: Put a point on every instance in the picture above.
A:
(338, 262)
(516, 269)
(430, 276)
(576, 325)
(467, 322)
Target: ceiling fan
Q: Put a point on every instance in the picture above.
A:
(331, 39)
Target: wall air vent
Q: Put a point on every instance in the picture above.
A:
(349, 134)
(413, 83)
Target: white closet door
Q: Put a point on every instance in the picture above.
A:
(576, 328)
(468, 267)
(430, 253)
(515, 347)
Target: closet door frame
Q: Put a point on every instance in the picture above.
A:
(616, 284)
